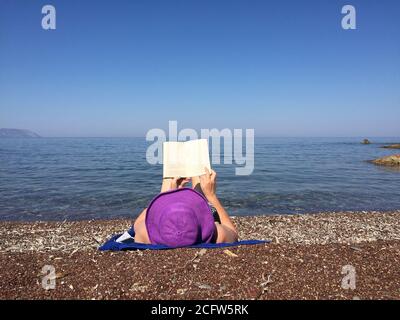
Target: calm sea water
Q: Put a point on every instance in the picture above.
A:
(85, 178)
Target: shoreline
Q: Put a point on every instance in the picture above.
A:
(303, 261)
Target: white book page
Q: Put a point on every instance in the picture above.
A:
(185, 159)
(173, 165)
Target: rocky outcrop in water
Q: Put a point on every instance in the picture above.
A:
(17, 133)
(392, 146)
(366, 141)
(391, 161)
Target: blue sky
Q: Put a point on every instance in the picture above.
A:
(120, 68)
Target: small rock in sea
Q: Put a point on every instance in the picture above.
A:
(392, 146)
(366, 141)
(392, 161)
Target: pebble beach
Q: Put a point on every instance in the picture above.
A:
(307, 258)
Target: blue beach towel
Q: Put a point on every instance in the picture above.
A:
(128, 243)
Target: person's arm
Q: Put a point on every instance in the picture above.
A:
(226, 230)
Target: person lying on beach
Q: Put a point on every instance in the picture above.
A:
(181, 216)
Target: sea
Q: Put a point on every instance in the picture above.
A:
(106, 178)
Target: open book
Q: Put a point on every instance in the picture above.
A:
(185, 159)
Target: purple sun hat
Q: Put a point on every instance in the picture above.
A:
(179, 218)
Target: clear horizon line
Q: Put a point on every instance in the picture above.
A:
(256, 136)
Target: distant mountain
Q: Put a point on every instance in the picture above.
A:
(17, 133)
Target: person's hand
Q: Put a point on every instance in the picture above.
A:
(178, 183)
(208, 183)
